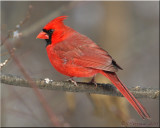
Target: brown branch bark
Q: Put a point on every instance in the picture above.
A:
(106, 89)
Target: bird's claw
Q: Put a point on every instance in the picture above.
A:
(93, 82)
(74, 82)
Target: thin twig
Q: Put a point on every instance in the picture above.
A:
(2, 64)
(55, 121)
(106, 89)
(53, 14)
(14, 32)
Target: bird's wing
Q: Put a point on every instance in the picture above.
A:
(81, 51)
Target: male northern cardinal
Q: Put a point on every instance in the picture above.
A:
(75, 55)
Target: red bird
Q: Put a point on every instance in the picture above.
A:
(75, 55)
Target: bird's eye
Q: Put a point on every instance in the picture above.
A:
(51, 30)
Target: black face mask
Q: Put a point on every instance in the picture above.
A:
(49, 32)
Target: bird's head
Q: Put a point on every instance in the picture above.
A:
(49, 28)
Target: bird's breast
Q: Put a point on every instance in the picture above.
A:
(66, 66)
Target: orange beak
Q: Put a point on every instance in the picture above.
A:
(42, 35)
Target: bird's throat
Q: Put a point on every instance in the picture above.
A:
(48, 41)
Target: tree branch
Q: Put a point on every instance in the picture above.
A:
(106, 89)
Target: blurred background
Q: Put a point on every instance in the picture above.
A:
(129, 31)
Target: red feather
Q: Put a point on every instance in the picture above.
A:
(75, 55)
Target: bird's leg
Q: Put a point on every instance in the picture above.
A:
(74, 82)
(93, 81)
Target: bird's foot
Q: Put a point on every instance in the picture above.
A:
(93, 81)
(74, 82)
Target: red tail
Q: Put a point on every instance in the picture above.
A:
(125, 92)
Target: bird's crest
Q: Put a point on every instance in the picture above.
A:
(55, 22)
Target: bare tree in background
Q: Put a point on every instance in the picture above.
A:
(127, 30)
